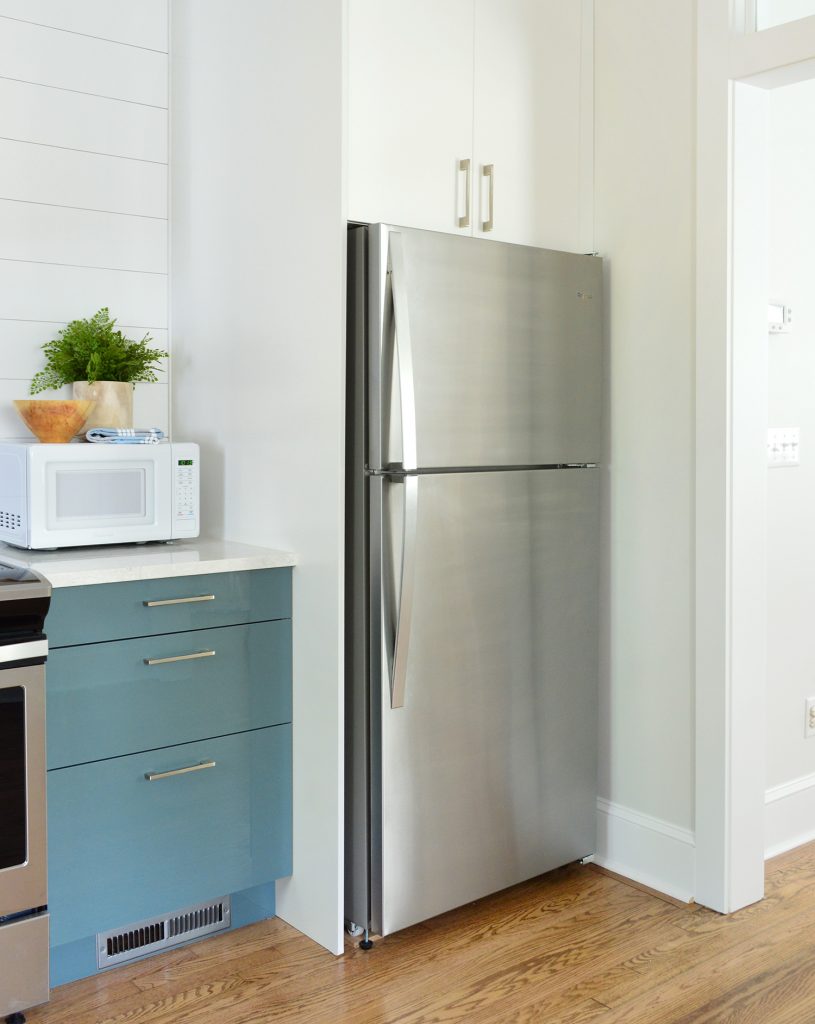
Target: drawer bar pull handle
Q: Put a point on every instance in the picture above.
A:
(179, 600)
(154, 776)
(180, 657)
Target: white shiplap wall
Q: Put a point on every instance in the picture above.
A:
(83, 182)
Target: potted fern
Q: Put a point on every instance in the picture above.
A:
(102, 364)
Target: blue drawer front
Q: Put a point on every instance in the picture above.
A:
(121, 848)
(117, 611)
(103, 700)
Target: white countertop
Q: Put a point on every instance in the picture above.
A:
(80, 567)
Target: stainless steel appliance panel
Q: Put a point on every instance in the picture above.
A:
(488, 769)
(357, 755)
(24, 962)
(24, 880)
(482, 353)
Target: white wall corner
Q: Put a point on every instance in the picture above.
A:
(646, 849)
(789, 815)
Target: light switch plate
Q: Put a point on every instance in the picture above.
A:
(809, 718)
(783, 447)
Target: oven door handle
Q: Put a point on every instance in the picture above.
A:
(32, 651)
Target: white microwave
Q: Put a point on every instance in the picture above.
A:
(66, 495)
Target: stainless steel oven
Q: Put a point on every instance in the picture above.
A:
(24, 600)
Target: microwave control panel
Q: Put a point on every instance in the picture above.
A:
(186, 487)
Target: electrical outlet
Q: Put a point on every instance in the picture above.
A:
(809, 721)
(783, 447)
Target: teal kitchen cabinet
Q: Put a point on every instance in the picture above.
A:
(121, 697)
(116, 611)
(169, 753)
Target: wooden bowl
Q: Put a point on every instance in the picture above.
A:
(53, 421)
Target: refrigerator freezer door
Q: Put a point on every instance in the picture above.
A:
(482, 353)
(488, 770)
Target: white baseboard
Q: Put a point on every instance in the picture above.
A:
(789, 815)
(647, 850)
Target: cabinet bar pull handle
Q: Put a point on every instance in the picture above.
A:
(489, 172)
(464, 165)
(154, 776)
(179, 600)
(179, 657)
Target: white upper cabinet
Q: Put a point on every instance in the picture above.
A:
(503, 84)
(411, 111)
(527, 123)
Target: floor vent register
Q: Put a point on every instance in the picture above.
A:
(158, 933)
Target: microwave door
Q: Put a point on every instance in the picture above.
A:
(84, 494)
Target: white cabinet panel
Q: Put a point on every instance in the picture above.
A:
(527, 121)
(40, 291)
(141, 24)
(34, 113)
(410, 110)
(508, 83)
(57, 234)
(39, 174)
(67, 60)
(21, 344)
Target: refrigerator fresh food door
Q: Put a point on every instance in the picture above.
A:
(487, 742)
(482, 353)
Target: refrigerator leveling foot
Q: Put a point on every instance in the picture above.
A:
(366, 943)
(353, 929)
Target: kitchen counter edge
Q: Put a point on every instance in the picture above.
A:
(81, 567)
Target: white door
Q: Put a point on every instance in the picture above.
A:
(529, 83)
(410, 112)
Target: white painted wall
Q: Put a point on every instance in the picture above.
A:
(83, 182)
(791, 492)
(258, 227)
(645, 140)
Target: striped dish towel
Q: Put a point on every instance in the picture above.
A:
(124, 435)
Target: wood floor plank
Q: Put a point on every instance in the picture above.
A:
(480, 950)
(260, 938)
(366, 986)
(545, 1012)
(659, 965)
(719, 981)
(574, 947)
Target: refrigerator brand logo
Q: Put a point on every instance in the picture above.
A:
(584, 296)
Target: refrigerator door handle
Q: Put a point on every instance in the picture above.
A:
(404, 350)
(404, 612)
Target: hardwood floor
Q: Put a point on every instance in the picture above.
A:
(577, 946)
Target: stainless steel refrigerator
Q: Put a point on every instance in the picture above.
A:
(473, 554)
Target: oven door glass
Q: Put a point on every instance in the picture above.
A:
(14, 830)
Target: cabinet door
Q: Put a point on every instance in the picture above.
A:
(532, 95)
(410, 111)
(122, 848)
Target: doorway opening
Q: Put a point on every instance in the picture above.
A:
(751, 754)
